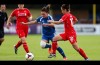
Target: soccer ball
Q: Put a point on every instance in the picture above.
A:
(29, 56)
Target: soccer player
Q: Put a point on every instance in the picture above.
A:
(70, 34)
(22, 15)
(3, 19)
(48, 30)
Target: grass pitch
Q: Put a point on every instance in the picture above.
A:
(90, 44)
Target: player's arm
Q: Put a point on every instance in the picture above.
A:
(30, 18)
(75, 20)
(9, 19)
(9, 22)
(51, 24)
(55, 22)
(29, 15)
(51, 18)
(29, 23)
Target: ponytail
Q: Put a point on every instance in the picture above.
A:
(46, 8)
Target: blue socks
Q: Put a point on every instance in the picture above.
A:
(59, 49)
(48, 46)
(61, 52)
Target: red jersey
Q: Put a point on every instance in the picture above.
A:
(21, 16)
(68, 20)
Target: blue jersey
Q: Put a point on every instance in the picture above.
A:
(46, 30)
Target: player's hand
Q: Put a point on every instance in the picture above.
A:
(50, 21)
(23, 23)
(45, 25)
(8, 25)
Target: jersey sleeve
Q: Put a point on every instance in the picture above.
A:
(63, 18)
(74, 19)
(38, 19)
(28, 13)
(51, 18)
(13, 13)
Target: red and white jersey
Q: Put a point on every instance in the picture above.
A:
(21, 15)
(68, 20)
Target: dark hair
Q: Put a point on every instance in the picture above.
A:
(66, 6)
(2, 4)
(46, 9)
(21, 4)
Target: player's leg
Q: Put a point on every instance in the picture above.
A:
(1, 37)
(45, 43)
(25, 46)
(16, 46)
(59, 49)
(50, 49)
(22, 35)
(54, 43)
(19, 43)
(80, 51)
(56, 38)
(23, 40)
(73, 41)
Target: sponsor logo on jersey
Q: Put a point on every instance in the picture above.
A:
(21, 14)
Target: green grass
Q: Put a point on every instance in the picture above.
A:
(90, 44)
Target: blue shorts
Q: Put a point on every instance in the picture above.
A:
(48, 38)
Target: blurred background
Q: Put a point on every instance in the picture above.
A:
(88, 17)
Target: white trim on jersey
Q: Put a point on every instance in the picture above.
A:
(41, 18)
(50, 17)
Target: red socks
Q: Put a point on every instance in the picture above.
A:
(18, 44)
(54, 47)
(25, 46)
(82, 53)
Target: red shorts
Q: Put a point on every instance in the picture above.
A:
(22, 33)
(70, 37)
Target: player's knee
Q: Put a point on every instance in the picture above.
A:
(75, 46)
(43, 44)
(23, 40)
(54, 39)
